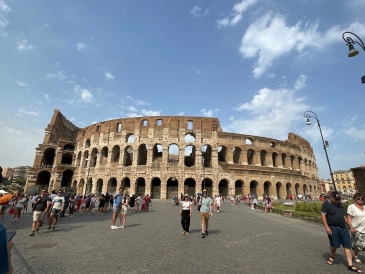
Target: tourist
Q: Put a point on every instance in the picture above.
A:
(205, 212)
(34, 198)
(4, 207)
(92, 204)
(107, 201)
(217, 203)
(138, 202)
(111, 202)
(356, 218)
(123, 211)
(117, 200)
(5, 251)
(101, 204)
(57, 206)
(186, 212)
(148, 202)
(132, 202)
(334, 221)
(67, 202)
(78, 202)
(19, 205)
(254, 202)
(41, 206)
(83, 204)
(25, 208)
(71, 208)
(268, 205)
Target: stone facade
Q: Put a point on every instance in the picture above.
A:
(8, 172)
(359, 175)
(168, 155)
(344, 181)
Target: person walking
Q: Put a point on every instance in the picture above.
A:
(205, 212)
(138, 202)
(132, 203)
(123, 211)
(217, 203)
(334, 221)
(186, 212)
(57, 206)
(19, 205)
(72, 204)
(356, 218)
(101, 204)
(117, 207)
(41, 206)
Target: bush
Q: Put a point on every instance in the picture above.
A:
(309, 207)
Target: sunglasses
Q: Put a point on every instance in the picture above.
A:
(358, 199)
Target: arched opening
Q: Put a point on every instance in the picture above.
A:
(300, 160)
(173, 156)
(115, 154)
(237, 155)
(208, 185)
(66, 159)
(305, 189)
(87, 143)
(189, 186)
(142, 155)
(250, 155)
(223, 188)
(104, 156)
(189, 138)
(128, 156)
(297, 189)
(43, 179)
(112, 185)
(157, 153)
(274, 157)
(283, 159)
(141, 186)
(130, 138)
(206, 151)
(48, 157)
(272, 144)
(310, 188)
(172, 188)
(99, 187)
(156, 188)
(69, 147)
(94, 157)
(74, 184)
(78, 159)
(279, 186)
(288, 189)
(249, 141)
(86, 157)
(238, 185)
(292, 160)
(80, 187)
(267, 186)
(89, 186)
(222, 152)
(67, 178)
(263, 154)
(189, 158)
(126, 185)
(253, 187)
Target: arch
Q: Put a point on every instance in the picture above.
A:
(263, 154)
(129, 138)
(283, 159)
(310, 188)
(172, 188)
(279, 187)
(249, 141)
(104, 155)
(189, 186)
(43, 179)
(80, 187)
(128, 156)
(87, 143)
(67, 178)
(99, 187)
(300, 160)
(237, 155)
(142, 155)
(126, 185)
(250, 156)
(48, 157)
(222, 152)
(94, 157)
(206, 151)
(272, 144)
(297, 189)
(208, 185)
(189, 156)
(112, 185)
(86, 157)
(288, 189)
(238, 186)
(115, 154)
(253, 187)
(189, 138)
(274, 157)
(66, 159)
(89, 186)
(157, 152)
(69, 147)
(223, 187)
(78, 159)
(74, 184)
(305, 189)
(156, 188)
(267, 186)
(292, 161)
(140, 186)
(173, 153)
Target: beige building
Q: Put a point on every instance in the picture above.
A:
(20, 172)
(344, 181)
(8, 172)
(359, 175)
(167, 155)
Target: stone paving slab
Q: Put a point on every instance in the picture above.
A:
(240, 240)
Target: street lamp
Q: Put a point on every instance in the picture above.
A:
(350, 43)
(325, 143)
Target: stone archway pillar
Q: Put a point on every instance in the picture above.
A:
(259, 191)
(257, 159)
(163, 188)
(215, 188)
(229, 157)
(244, 158)
(268, 160)
(279, 161)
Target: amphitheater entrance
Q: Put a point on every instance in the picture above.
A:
(305, 189)
(223, 188)
(172, 188)
(89, 186)
(80, 187)
(208, 185)
(297, 189)
(126, 185)
(189, 186)
(156, 188)
(112, 185)
(253, 187)
(141, 186)
(67, 178)
(279, 187)
(267, 186)
(43, 179)
(288, 190)
(238, 187)
(99, 187)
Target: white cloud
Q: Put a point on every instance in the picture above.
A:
(355, 134)
(197, 12)
(151, 112)
(271, 75)
(4, 9)
(132, 108)
(198, 71)
(24, 45)
(270, 38)
(346, 122)
(22, 84)
(80, 46)
(208, 113)
(59, 75)
(109, 76)
(236, 14)
(47, 97)
(181, 114)
(86, 96)
(23, 111)
(271, 112)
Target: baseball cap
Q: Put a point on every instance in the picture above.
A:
(336, 195)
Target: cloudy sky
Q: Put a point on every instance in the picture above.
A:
(257, 65)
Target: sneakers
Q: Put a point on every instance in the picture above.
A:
(37, 231)
(120, 226)
(206, 233)
(49, 228)
(203, 235)
(32, 233)
(114, 227)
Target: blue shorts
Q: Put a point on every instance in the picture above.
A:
(340, 236)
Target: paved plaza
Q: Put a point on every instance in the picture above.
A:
(240, 240)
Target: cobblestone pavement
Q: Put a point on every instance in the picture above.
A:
(240, 240)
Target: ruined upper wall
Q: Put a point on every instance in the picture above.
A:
(59, 128)
(296, 139)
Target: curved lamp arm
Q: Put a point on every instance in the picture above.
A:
(349, 40)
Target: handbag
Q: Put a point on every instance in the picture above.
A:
(198, 208)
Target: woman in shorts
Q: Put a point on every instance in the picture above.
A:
(92, 204)
(83, 204)
(19, 205)
(124, 211)
(101, 204)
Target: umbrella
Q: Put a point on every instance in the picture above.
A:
(5, 198)
(2, 191)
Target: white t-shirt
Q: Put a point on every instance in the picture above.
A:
(57, 202)
(218, 201)
(51, 197)
(186, 205)
(93, 200)
(21, 203)
(358, 218)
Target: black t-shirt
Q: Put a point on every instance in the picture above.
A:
(335, 214)
(42, 204)
(107, 198)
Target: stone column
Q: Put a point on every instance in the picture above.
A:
(244, 158)
(215, 188)
(296, 164)
(163, 188)
(288, 162)
(268, 160)
(257, 159)
(279, 161)
(229, 157)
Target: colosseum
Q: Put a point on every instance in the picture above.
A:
(164, 156)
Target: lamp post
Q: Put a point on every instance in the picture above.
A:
(325, 143)
(350, 43)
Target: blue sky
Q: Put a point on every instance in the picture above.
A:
(257, 65)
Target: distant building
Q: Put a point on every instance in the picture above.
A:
(8, 172)
(359, 176)
(326, 186)
(20, 172)
(344, 181)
